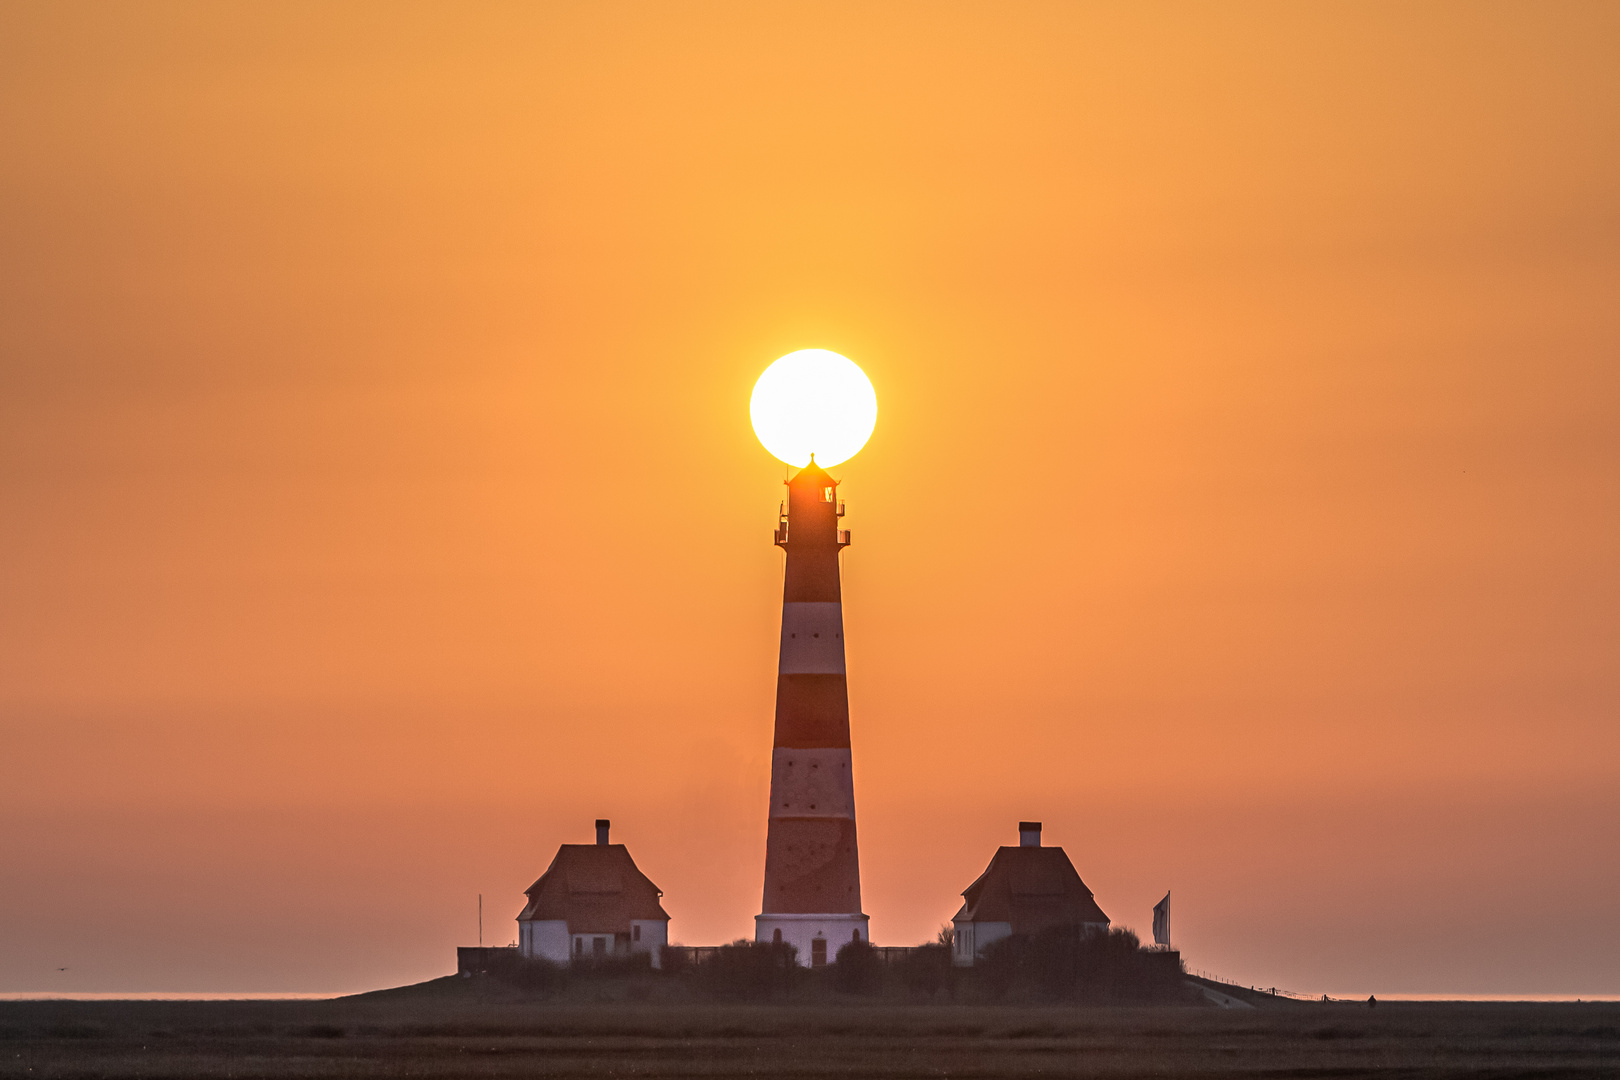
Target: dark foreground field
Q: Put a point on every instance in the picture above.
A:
(458, 1035)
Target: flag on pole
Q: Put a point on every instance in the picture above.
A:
(1161, 921)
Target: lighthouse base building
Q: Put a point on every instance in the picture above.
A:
(817, 937)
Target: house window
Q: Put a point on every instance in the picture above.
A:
(818, 952)
(826, 494)
(855, 935)
(635, 932)
(776, 936)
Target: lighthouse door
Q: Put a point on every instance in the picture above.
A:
(818, 952)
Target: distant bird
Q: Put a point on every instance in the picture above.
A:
(61, 969)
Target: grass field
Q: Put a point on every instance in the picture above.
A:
(469, 1031)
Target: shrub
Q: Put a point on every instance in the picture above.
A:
(857, 969)
(927, 969)
(1071, 964)
(675, 961)
(636, 963)
(749, 971)
(533, 975)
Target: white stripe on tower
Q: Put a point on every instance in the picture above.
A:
(811, 784)
(812, 638)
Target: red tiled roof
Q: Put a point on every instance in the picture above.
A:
(595, 888)
(1032, 888)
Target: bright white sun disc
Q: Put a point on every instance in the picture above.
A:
(813, 402)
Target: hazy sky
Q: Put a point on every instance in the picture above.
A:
(378, 502)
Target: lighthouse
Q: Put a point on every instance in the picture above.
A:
(812, 894)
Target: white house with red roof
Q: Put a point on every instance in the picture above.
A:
(1025, 889)
(592, 902)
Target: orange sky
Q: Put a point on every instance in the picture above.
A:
(378, 503)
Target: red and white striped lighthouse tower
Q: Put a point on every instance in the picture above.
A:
(812, 869)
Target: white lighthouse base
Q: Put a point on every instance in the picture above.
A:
(804, 931)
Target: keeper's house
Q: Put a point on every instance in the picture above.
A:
(592, 902)
(1024, 890)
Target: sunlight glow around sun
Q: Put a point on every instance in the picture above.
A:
(813, 402)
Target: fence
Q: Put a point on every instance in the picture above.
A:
(697, 954)
(1272, 991)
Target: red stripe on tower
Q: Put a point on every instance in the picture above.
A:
(812, 868)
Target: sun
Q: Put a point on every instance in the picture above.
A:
(813, 402)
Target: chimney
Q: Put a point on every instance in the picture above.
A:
(602, 824)
(1029, 834)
